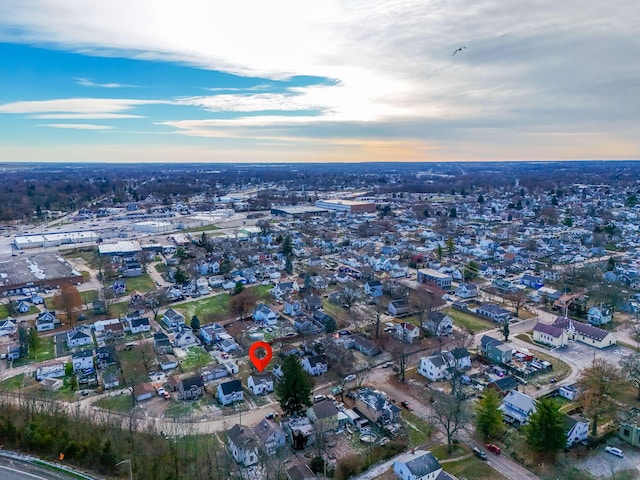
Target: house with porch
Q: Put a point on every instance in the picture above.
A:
(376, 407)
(577, 429)
(599, 315)
(173, 319)
(517, 407)
(260, 383)
(315, 365)
(191, 388)
(407, 332)
(243, 445)
(438, 323)
(79, 337)
(495, 350)
(263, 314)
(46, 321)
(229, 392)
(270, 435)
(466, 290)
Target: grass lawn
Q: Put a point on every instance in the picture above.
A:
(119, 403)
(32, 309)
(469, 321)
(341, 315)
(89, 257)
(203, 228)
(201, 308)
(440, 451)
(46, 350)
(143, 283)
(181, 410)
(119, 309)
(132, 364)
(12, 384)
(89, 296)
(262, 292)
(3, 311)
(472, 468)
(160, 267)
(67, 473)
(417, 429)
(196, 358)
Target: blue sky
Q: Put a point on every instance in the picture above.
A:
(249, 81)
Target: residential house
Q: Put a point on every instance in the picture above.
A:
(260, 383)
(143, 391)
(364, 345)
(161, 343)
(599, 315)
(466, 290)
(419, 465)
(577, 429)
(588, 334)
(532, 281)
(315, 365)
(373, 288)
(167, 361)
(23, 307)
(376, 407)
(110, 380)
(461, 358)
(99, 307)
(173, 319)
(311, 303)
(139, 324)
(407, 332)
(79, 337)
(318, 283)
(285, 288)
(504, 385)
(570, 392)
(516, 407)
(37, 300)
(442, 280)
(495, 350)
(436, 367)
(14, 352)
(82, 360)
(270, 435)
(185, 338)
(46, 321)
(229, 392)
(263, 314)
(243, 445)
(503, 286)
(629, 430)
(398, 307)
(191, 388)
(494, 312)
(211, 332)
(438, 323)
(549, 335)
(119, 287)
(324, 414)
(8, 326)
(292, 308)
(106, 356)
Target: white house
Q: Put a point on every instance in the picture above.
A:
(78, 337)
(45, 321)
(599, 315)
(185, 338)
(407, 332)
(229, 392)
(243, 445)
(466, 290)
(516, 407)
(82, 360)
(271, 436)
(139, 324)
(435, 367)
(173, 319)
(264, 314)
(316, 365)
(438, 323)
(285, 288)
(7, 326)
(260, 383)
(577, 429)
(418, 465)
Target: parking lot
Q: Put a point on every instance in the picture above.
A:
(603, 464)
(583, 355)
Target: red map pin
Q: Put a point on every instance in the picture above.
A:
(260, 354)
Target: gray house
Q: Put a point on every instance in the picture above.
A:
(495, 350)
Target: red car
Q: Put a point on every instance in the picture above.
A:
(407, 405)
(493, 448)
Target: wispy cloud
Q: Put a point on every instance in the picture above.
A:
(78, 108)
(76, 126)
(87, 82)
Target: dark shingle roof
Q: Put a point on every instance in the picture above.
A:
(555, 332)
(582, 328)
(231, 386)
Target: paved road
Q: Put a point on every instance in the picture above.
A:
(12, 469)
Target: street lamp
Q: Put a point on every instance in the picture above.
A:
(128, 460)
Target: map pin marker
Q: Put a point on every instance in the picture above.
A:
(260, 354)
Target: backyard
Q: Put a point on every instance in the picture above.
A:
(214, 305)
(196, 358)
(469, 321)
(142, 283)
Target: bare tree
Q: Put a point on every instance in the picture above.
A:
(631, 369)
(450, 413)
(517, 300)
(350, 295)
(156, 300)
(601, 384)
(69, 301)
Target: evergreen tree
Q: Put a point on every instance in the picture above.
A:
(545, 430)
(330, 326)
(294, 389)
(439, 252)
(451, 246)
(453, 213)
(480, 199)
(505, 331)
(195, 323)
(180, 276)
(489, 416)
(287, 247)
(238, 288)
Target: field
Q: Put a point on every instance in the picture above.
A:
(46, 350)
(472, 468)
(216, 305)
(417, 429)
(89, 296)
(196, 358)
(3, 311)
(469, 321)
(119, 403)
(143, 283)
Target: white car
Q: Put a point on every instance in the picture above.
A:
(350, 378)
(614, 451)
(161, 391)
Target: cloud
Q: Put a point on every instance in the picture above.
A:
(562, 66)
(87, 82)
(76, 126)
(77, 108)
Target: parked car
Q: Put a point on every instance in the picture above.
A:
(350, 378)
(166, 396)
(161, 391)
(479, 453)
(407, 405)
(387, 365)
(493, 448)
(319, 398)
(614, 451)
(271, 415)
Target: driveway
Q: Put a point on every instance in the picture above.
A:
(603, 464)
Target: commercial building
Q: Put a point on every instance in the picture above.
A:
(443, 280)
(126, 247)
(297, 211)
(350, 206)
(35, 272)
(55, 239)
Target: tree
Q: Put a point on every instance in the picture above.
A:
(180, 276)
(23, 339)
(611, 264)
(243, 303)
(195, 323)
(288, 265)
(480, 199)
(350, 294)
(238, 288)
(489, 416)
(517, 300)
(545, 431)
(506, 331)
(601, 384)
(439, 252)
(453, 213)
(287, 247)
(34, 340)
(330, 326)
(631, 369)
(451, 246)
(449, 412)
(68, 300)
(471, 270)
(294, 389)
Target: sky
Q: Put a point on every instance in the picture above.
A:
(318, 81)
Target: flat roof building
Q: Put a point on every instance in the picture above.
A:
(351, 206)
(54, 239)
(297, 211)
(125, 247)
(39, 270)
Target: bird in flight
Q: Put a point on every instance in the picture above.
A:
(458, 50)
